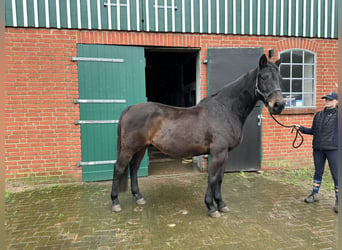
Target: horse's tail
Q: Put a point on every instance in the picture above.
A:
(123, 178)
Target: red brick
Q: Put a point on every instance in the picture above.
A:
(42, 82)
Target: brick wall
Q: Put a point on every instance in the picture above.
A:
(41, 142)
(41, 80)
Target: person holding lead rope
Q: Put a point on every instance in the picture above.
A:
(325, 145)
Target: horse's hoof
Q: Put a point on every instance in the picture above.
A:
(215, 214)
(141, 201)
(116, 208)
(224, 209)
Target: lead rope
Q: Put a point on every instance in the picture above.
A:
(293, 127)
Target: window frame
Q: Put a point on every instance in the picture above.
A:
(303, 78)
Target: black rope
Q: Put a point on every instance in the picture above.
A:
(293, 127)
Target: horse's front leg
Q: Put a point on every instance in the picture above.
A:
(215, 176)
(134, 167)
(221, 206)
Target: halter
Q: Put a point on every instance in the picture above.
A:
(265, 96)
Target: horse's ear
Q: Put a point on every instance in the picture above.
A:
(263, 61)
(278, 62)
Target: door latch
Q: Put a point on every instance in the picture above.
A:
(260, 117)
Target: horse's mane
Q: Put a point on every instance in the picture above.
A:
(205, 99)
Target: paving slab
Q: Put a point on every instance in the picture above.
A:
(264, 214)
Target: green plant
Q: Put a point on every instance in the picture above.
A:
(303, 175)
(7, 196)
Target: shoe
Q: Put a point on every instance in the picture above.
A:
(313, 197)
(336, 207)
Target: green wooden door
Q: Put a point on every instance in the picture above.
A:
(110, 79)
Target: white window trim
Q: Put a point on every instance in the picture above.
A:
(303, 78)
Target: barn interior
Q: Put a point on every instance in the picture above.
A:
(170, 79)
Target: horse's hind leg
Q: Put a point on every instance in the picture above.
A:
(119, 180)
(134, 167)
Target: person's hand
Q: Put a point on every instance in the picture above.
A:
(297, 126)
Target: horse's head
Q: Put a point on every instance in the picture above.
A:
(267, 85)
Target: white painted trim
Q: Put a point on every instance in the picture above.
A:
(275, 18)
(251, 17)
(47, 14)
(311, 17)
(89, 14)
(304, 18)
(326, 19)
(118, 14)
(35, 12)
(165, 15)
(192, 17)
(156, 14)
(183, 15)
(14, 14)
(258, 17)
(99, 22)
(289, 30)
(266, 18)
(234, 17)
(173, 16)
(79, 20)
(25, 13)
(58, 15)
(68, 13)
(281, 17)
(209, 16)
(138, 15)
(147, 16)
(319, 19)
(217, 16)
(201, 16)
(128, 9)
(332, 19)
(242, 17)
(109, 12)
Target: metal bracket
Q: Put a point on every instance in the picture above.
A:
(163, 7)
(94, 59)
(79, 122)
(92, 163)
(106, 4)
(77, 101)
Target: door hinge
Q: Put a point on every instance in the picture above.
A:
(94, 59)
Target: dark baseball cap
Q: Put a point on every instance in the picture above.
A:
(331, 96)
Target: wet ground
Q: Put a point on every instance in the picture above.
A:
(264, 214)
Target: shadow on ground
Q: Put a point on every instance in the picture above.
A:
(264, 214)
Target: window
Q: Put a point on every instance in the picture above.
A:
(298, 72)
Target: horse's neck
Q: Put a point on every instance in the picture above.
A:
(240, 96)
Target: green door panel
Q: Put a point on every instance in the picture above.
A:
(102, 79)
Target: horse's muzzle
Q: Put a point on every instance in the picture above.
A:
(275, 108)
(276, 105)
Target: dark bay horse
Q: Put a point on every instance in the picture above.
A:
(214, 126)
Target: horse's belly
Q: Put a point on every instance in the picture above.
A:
(178, 146)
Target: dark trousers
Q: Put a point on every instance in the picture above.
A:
(320, 157)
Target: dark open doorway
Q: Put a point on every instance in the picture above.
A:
(171, 78)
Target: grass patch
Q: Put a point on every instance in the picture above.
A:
(303, 176)
(7, 196)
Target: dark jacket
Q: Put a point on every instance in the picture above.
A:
(324, 130)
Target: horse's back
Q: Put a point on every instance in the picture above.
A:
(174, 130)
